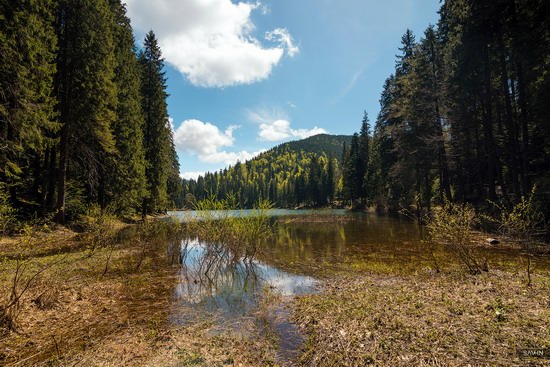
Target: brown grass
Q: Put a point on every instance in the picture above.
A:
(76, 314)
(425, 320)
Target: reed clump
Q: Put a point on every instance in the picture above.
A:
(218, 223)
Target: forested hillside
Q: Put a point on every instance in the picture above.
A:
(303, 172)
(331, 145)
(466, 114)
(83, 113)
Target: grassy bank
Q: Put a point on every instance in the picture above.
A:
(445, 319)
(106, 297)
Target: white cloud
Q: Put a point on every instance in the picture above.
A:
(206, 141)
(275, 125)
(202, 138)
(282, 36)
(211, 41)
(191, 175)
(280, 130)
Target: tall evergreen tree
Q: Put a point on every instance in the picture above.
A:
(156, 132)
(363, 156)
(126, 168)
(352, 180)
(85, 92)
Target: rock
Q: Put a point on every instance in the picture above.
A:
(493, 241)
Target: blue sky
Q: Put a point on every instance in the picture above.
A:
(244, 77)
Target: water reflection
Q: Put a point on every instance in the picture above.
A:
(313, 247)
(212, 279)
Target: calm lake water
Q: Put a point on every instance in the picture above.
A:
(307, 246)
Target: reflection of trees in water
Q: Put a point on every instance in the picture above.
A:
(306, 246)
(213, 277)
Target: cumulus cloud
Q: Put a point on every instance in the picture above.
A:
(211, 41)
(191, 175)
(280, 130)
(206, 141)
(275, 126)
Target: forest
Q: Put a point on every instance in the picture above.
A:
(465, 116)
(84, 119)
(83, 112)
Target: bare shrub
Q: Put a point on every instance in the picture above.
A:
(524, 224)
(25, 274)
(452, 226)
(239, 232)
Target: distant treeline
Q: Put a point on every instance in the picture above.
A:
(83, 116)
(465, 116)
(292, 174)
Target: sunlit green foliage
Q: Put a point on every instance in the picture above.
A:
(292, 174)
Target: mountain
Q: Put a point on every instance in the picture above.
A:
(302, 172)
(331, 145)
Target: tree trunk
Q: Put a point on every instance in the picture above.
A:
(52, 177)
(62, 176)
(510, 124)
(444, 184)
(44, 183)
(488, 122)
(522, 99)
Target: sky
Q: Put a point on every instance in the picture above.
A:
(246, 76)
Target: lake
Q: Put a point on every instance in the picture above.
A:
(307, 246)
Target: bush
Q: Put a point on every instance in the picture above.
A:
(451, 226)
(240, 233)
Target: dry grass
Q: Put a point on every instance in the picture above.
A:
(78, 314)
(447, 319)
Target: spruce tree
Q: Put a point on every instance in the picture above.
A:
(363, 156)
(86, 95)
(126, 170)
(27, 66)
(156, 133)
